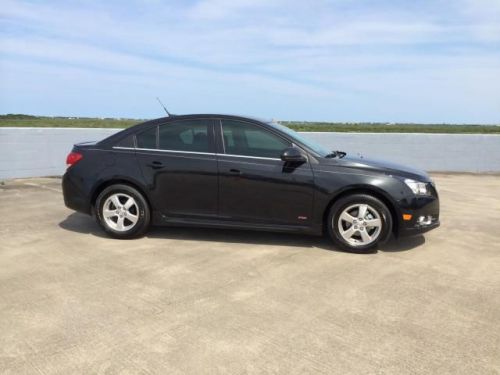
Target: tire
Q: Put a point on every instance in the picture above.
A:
(353, 232)
(122, 212)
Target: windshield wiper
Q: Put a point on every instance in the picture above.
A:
(336, 154)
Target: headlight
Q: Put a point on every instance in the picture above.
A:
(418, 188)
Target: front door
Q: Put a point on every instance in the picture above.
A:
(255, 185)
(179, 165)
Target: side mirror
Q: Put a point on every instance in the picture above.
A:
(293, 154)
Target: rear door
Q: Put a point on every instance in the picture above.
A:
(179, 164)
(255, 184)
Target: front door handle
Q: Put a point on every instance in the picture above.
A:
(156, 164)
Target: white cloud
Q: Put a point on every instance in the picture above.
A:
(224, 9)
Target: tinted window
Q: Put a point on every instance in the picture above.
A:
(241, 138)
(189, 135)
(147, 139)
(316, 147)
(127, 142)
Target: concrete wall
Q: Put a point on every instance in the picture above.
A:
(34, 152)
(31, 152)
(430, 152)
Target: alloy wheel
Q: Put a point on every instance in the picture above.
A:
(120, 212)
(360, 224)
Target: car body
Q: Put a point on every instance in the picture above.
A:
(236, 172)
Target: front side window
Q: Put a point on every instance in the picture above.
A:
(314, 146)
(187, 135)
(241, 138)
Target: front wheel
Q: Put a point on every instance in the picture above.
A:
(359, 222)
(122, 211)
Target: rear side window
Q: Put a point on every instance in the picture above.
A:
(187, 135)
(241, 138)
(127, 142)
(147, 139)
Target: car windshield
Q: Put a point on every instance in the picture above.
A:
(316, 147)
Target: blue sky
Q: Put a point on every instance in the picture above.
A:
(338, 60)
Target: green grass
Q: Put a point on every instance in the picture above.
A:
(372, 127)
(27, 121)
(88, 122)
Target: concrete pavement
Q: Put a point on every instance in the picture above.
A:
(73, 301)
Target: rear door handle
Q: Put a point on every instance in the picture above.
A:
(235, 171)
(156, 164)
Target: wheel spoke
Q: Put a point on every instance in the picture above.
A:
(116, 201)
(346, 217)
(129, 203)
(119, 223)
(365, 236)
(362, 211)
(348, 233)
(132, 218)
(373, 223)
(109, 213)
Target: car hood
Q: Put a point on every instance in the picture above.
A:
(380, 166)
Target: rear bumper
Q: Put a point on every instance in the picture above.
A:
(74, 198)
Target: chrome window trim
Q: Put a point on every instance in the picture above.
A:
(192, 152)
(123, 148)
(158, 150)
(251, 157)
(178, 151)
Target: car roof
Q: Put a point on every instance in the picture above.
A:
(207, 115)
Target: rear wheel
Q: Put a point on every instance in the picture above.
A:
(122, 211)
(359, 222)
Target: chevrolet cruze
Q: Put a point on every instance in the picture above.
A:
(234, 172)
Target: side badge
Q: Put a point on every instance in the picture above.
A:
(302, 217)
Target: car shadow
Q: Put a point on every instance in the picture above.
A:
(237, 236)
(402, 244)
(80, 223)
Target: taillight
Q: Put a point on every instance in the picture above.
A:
(73, 158)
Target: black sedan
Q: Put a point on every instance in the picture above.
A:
(234, 172)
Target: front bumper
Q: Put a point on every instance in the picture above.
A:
(424, 213)
(418, 229)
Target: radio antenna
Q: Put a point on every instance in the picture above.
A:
(165, 108)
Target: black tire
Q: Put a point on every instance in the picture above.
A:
(142, 210)
(350, 200)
